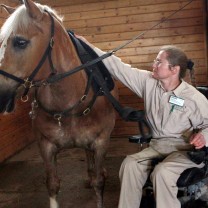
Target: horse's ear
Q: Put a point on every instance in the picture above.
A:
(33, 10)
(8, 9)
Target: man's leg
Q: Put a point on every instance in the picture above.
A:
(165, 176)
(133, 175)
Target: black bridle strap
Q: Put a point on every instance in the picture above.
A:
(11, 76)
(46, 54)
(47, 51)
(28, 82)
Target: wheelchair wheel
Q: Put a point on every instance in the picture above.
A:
(196, 204)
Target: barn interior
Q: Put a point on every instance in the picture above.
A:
(107, 24)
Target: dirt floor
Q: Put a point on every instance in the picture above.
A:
(22, 178)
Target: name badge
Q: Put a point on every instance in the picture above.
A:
(176, 101)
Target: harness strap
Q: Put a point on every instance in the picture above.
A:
(66, 112)
(127, 113)
(57, 77)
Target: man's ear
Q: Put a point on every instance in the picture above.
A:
(175, 69)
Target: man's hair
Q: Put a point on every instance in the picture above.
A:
(176, 57)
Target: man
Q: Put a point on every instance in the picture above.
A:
(173, 109)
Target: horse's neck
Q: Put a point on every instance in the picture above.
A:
(63, 94)
(67, 91)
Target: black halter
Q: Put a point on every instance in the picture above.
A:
(28, 82)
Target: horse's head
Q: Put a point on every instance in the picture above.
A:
(24, 38)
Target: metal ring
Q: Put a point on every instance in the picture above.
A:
(24, 99)
(57, 116)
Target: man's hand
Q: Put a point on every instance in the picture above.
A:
(198, 140)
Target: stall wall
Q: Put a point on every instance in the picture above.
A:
(110, 23)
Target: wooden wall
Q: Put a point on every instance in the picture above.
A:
(15, 128)
(110, 23)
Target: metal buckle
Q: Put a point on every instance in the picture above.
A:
(51, 42)
(86, 111)
(28, 84)
(83, 98)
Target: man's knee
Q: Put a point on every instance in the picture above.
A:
(127, 165)
(159, 171)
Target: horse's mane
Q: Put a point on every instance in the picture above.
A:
(20, 19)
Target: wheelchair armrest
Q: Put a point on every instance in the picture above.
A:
(197, 156)
(203, 90)
(191, 176)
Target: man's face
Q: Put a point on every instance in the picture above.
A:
(161, 67)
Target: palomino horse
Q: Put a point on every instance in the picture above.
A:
(35, 46)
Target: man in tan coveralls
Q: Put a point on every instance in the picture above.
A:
(173, 109)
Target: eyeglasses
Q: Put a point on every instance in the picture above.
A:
(157, 62)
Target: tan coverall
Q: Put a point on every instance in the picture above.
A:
(171, 128)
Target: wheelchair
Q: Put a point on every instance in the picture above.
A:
(193, 182)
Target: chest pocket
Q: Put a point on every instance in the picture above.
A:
(177, 121)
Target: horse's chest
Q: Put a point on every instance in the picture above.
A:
(72, 133)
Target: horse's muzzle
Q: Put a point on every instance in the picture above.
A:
(7, 101)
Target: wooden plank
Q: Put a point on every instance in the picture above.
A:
(15, 124)
(157, 41)
(198, 46)
(137, 7)
(105, 27)
(135, 26)
(160, 32)
(146, 58)
(21, 109)
(131, 14)
(17, 134)
(18, 143)
(108, 3)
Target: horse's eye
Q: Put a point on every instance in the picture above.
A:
(20, 43)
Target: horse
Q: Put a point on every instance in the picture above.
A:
(35, 46)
